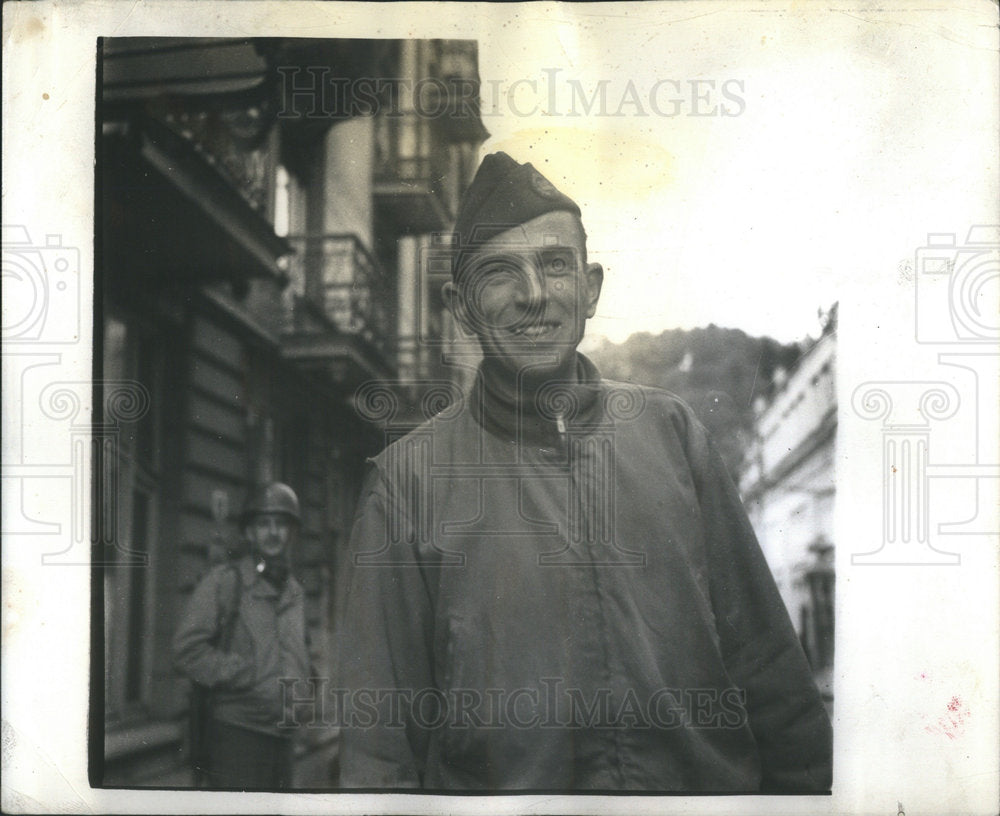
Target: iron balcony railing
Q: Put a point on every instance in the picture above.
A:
(338, 275)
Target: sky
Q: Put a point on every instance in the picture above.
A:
(827, 136)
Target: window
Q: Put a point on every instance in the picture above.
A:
(821, 592)
(130, 521)
(282, 203)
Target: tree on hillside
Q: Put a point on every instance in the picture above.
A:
(718, 372)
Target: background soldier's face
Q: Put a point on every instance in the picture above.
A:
(270, 534)
(528, 293)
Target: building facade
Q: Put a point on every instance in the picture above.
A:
(788, 485)
(259, 248)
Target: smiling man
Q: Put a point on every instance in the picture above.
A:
(554, 585)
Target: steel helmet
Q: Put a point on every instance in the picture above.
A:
(273, 497)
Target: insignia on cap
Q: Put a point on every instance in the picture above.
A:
(542, 186)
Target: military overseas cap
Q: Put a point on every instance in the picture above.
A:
(505, 194)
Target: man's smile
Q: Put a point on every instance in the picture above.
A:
(537, 330)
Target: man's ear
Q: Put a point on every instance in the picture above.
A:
(455, 303)
(595, 279)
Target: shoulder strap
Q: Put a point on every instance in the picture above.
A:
(231, 609)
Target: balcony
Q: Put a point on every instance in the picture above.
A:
(414, 188)
(214, 94)
(186, 222)
(339, 318)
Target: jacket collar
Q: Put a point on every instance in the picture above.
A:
(254, 584)
(540, 419)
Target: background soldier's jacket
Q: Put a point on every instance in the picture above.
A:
(527, 602)
(268, 643)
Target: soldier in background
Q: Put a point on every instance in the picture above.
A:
(244, 630)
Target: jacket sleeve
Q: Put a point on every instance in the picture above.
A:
(195, 656)
(761, 649)
(384, 639)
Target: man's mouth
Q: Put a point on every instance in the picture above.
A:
(537, 330)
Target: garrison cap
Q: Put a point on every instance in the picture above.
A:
(504, 194)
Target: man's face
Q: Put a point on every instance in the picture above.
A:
(271, 534)
(527, 294)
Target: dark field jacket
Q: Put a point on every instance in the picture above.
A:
(563, 596)
(268, 644)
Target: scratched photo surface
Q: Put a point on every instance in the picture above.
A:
(541, 405)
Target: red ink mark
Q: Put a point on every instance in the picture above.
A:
(952, 724)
